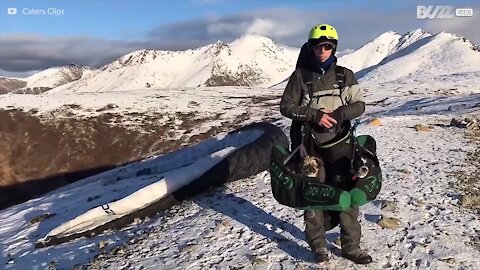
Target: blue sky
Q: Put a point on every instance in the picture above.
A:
(126, 19)
(96, 32)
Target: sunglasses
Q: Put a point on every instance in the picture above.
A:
(326, 47)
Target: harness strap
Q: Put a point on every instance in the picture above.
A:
(308, 80)
(303, 153)
(339, 77)
(325, 146)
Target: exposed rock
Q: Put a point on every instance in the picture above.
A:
(375, 122)
(389, 223)
(102, 244)
(387, 265)
(468, 123)
(32, 90)
(448, 260)
(189, 248)
(10, 84)
(78, 267)
(405, 171)
(388, 205)
(53, 265)
(300, 266)
(473, 125)
(338, 242)
(454, 122)
(470, 201)
(120, 250)
(41, 218)
(422, 128)
(245, 76)
(222, 225)
(457, 107)
(107, 107)
(421, 201)
(255, 260)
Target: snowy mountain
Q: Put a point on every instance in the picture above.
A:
(442, 57)
(57, 76)
(44, 80)
(416, 57)
(250, 61)
(378, 49)
(374, 52)
(11, 84)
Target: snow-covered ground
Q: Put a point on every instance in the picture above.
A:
(57, 76)
(240, 225)
(207, 100)
(223, 104)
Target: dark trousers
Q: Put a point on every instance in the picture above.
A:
(337, 167)
(318, 221)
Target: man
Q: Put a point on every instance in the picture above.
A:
(321, 99)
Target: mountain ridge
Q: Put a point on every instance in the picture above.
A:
(251, 60)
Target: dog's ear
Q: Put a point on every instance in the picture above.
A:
(315, 162)
(318, 161)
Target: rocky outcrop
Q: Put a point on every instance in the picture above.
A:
(245, 76)
(8, 85)
(39, 155)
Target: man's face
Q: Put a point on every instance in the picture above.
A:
(323, 51)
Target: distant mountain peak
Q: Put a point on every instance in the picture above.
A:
(254, 37)
(420, 57)
(454, 37)
(375, 51)
(385, 36)
(73, 65)
(250, 60)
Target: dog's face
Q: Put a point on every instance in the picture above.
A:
(360, 167)
(313, 167)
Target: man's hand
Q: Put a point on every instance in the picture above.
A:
(326, 120)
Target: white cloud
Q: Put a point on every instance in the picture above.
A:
(17, 74)
(225, 28)
(22, 53)
(261, 27)
(275, 29)
(287, 26)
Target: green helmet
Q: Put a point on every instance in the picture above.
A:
(323, 31)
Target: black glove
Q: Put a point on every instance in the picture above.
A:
(349, 112)
(318, 116)
(338, 115)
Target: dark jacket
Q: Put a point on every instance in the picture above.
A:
(304, 107)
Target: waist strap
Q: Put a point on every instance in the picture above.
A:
(328, 145)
